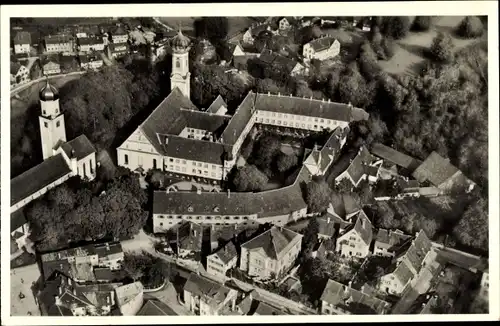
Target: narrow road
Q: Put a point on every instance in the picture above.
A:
(16, 90)
(157, 19)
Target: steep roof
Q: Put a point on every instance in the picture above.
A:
(402, 273)
(216, 104)
(363, 227)
(190, 236)
(391, 239)
(14, 67)
(128, 292)
(227, 253)
(349, 299)
(57, 39)
(90, 40)
(419, 248)
(275, 59)
(264, 309)
(17, 219)
(205, 120)
(78, 148)
(393, 156)
(155, 307)
(357, 167)
(38, 177)
(22, 37)
(272, 241)
(435, 169)
(327, 226)
(195, 149)
(240, 118)
(322, 43)
(212, 292)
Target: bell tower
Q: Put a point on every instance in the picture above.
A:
(52, 128)
(180, 76)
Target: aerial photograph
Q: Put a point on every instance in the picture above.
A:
(238, 166)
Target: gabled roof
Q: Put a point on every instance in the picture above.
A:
(273, 58)
(272, 241)
(155, 307)
(127, 293)
(327, 226)
(212, 292)
(216, 104)
(256, 30)
(395, 157)
(391, 239)
(38, 177)
(22, 38)
(108, 249)
(227, 253)
(403, 273)
(363, 227)
(57, 39)
(435, 169)
(349, 299)
(343, 205)
(14, 67)
(205, 120)
(190, 236)
(91, 40)
(264, 309)
(356, 169)
(322, 43)
(78, 148)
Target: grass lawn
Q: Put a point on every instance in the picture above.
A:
(21, 280)
(409, 54)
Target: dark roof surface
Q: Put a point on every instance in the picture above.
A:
(435, 169)
(81, 146)
(273, 241)
(327, 227)
(216, 104)
(38, 177)
(358, 165)
(264, 309)
(398, 158)
(322, 43)
(205, 121)
(227, 252)
(17, 219)
(213, 292)
(22, 38)
(57, 39)
(195, 149)
(156, 308)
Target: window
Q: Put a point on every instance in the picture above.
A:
(171, 160)
(58, 123)
(161, 224)
(46, 124)
(178, 63)
(194, 170)
(154, 163)
(177, 160)
(190, 208)
(183, 161)
(126, 159)
(91, 167)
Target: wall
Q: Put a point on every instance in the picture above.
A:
(120, 38)
(133, 306)
(390, 284)
(21, 48)
(162, 222)
(354, 246)
(194, 133)
(56, 48)
(216, 267)
(298, 121)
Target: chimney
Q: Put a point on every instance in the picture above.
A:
(350, 283)
(279, 94)
(198, 191)
(268, 93)
(328, 100)
(229, 193)
(72, 153)
(328, 220)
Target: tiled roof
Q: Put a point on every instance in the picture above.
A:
(156, 308)
(275, 59)
(398, 158)
(195, 150)
(322, 43)
(435, 169)
(357, 167)
(127, 293)
(212, 292)
(347, 298)
(57, 39)
(108, 249)
(22, 38)
(421, 245)
(227, 253)
(190, 236)
(17, 219)
(240, 118)
(264, 204)
(272, 241)
(343, 205)
(90, 40)
(403, 273)
(78, 148)
(118, 30)
(14, 68)
(107, 274)
(391, 239)
(256, 30)
(264, 309)
(364, 227)
(205, 121)
(38, 177)
(216, 104)
(327, 226)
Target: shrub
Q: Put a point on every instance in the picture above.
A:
(441, 49)
(470, 27)
(421, 23)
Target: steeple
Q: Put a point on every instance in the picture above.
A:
(52, 128)
(180, 77)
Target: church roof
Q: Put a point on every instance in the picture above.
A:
(38, 177)
(78, 148)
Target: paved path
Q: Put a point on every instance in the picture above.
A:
(157, 19)
(16, 90)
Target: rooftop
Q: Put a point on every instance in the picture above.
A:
(78, 148)
(322, 43)
(273, 241)
(389, 154)
(22, 38)
(212, 292)
(155, 307)
(127, 293)
(38, 177)
(435, 169)
(227, 253)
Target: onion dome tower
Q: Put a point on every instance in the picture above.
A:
(180, 77)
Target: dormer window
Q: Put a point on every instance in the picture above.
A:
(190, 208)
(216, 209)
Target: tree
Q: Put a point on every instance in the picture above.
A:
(249, 178)
(265, 151)
(285, 162)
(264, 41)
(344, 186)
(318, 196)
(214, 29)
(470, 27)
(368, 65)
(266, 85)
(388, 47)
(441, 49)
(396, 27)
(472, 229)
(310, 238)
(421, 23)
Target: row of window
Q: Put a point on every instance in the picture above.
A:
(295, 117)
(225, 223)
(198, 164)
(286, 124)
(46, 125)
(179, 217)
(216, 263)
(217, 270)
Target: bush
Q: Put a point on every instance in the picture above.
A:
(396, 27)
(421, 23)
(441, 49)
(388, 47)
(470, 27)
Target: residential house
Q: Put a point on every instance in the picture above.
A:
(19, 74)
(90, 62)
(342, 209)
(340, 299)
(189, 236)
(51, 67)
(440, 173)
(318, 161)
(91, 43)
(270, 254)
(285, 23)
(254, 31)
(148, 34)
(154, 307)
(277, 61)
(117, 50)
(222, 260)
(407, 163)
(22, 42)
(110, 255)
(265, 309)
(363, 167)
(388, 241)
(119, 34)
(356, 239)
(130, 298)
(485, 286)
(407, 263)
(218, 106)
(322, 48)
(59, 43)
(205, 297)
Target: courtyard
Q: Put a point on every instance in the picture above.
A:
(21, 280)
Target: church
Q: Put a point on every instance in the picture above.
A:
(181, 139)
(61, 160)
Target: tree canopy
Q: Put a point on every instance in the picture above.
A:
(150, 270)
(285, 162)
(249, 178)
(441, 49)
(470, 27)
(421, 23)
(72, 212)
(318, 196)
(472, 229)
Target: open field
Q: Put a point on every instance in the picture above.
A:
(21, 280)
(409, 54)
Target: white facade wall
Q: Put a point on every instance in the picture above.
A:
(390, 284)
(60, 47)
(51, 130)
(217, 267)
(89, 47)
(21, 48)
(354, 246)
(298, 121)
(309, 52)
(382, 251)
(51, 69)
(163, 222)
(119, 38)
(194, 133)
